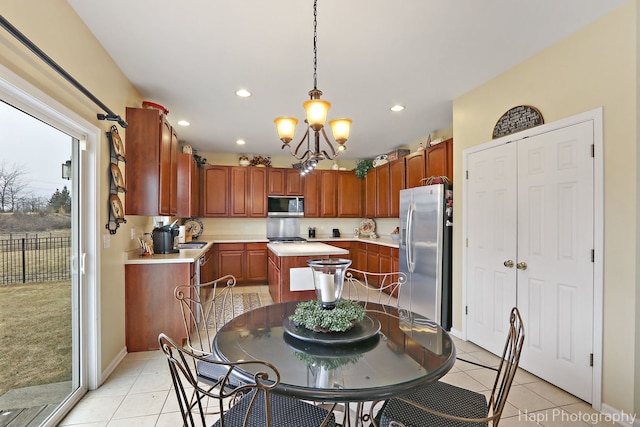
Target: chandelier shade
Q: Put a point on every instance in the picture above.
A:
(286, 127)
(316, 116)
(317, 111)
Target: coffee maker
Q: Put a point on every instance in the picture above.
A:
(164, 239)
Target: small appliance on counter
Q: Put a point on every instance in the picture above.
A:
(312, 232)
(336, 232)
(164, 239)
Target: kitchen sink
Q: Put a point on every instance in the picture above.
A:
(191, 245)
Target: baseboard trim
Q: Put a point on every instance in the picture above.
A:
(113, 365)
(620, 417)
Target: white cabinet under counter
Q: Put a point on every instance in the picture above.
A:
(285, 257)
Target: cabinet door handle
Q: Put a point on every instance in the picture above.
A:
(508, 263)
(521, 265)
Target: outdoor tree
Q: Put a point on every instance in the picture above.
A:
(13, 183)
(61, 201)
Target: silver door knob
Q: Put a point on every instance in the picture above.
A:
(508, 263)
(521, 265)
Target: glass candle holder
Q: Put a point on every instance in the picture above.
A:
(328, 279)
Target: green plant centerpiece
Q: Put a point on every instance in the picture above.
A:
(311, 315)
(363, 167)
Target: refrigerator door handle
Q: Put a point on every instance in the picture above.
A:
(410, 263)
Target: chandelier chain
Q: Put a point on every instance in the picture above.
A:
(315, 44)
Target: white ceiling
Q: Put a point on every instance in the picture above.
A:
(192, 55)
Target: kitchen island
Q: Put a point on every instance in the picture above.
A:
(290, 278)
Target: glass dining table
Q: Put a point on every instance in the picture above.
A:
(391, 352)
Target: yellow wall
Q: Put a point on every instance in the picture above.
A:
(55, 28)
(592, 68)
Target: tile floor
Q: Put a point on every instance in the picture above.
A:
(139, 393)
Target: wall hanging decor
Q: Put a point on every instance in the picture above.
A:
(117, 183)
(516, 119)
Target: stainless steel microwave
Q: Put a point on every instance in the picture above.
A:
(285, 206)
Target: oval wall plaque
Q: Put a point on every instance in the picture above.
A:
(516, 119)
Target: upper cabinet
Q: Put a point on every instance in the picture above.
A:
(436, 160)
(414, 169)
(382, 190)
(188, 193)
(215, 191)
(152, 155)
(349, 194)
(439, 159)
(234, 191)
(330, 194)
(284, 182)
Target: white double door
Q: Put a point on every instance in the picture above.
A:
(530, 236)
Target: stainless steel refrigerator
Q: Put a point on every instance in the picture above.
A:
(425, 251)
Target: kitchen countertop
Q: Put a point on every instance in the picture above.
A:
(191, 255)
(305, 249)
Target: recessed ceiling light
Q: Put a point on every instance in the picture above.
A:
(183, 123)
(243, 93)
(241, 142)
(397, 107)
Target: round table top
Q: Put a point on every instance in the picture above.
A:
(408, 352)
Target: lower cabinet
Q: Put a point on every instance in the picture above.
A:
(246, 261)
(150, 307)
(376, 258)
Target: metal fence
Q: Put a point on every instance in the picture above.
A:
(35, 259)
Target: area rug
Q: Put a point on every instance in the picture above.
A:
(241, 303)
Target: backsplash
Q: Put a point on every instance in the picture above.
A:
(324, 226)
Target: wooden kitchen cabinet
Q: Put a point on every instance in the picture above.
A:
(215, 191)
(439, 159)
(320, 194)
(150, 307)
(246, 261)
(284, 182)
(370, 197)
(382, 190)
(349, 194)
(152, 156)
(328, 194)
(256, 265)
(311, 187)
(208, 266)
(414, 165)
(331, 194)
(188, 193)
(396, 183)
(248, 192)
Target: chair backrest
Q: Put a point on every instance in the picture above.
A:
(195, 393)
(205, 308)
(508, 365)
(382, 288)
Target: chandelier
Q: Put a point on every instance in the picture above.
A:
(308, 151)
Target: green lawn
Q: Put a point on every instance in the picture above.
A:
(35, 334)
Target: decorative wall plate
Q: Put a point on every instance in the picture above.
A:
(118, 180)
(367, 226)
(194, 226)
(117, 144)
(116, 207)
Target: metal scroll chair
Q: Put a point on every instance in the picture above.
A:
(258, 406)
(205, 308)
(366, 286)
(442, 404)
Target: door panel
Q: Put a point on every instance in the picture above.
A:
(531, 202)
(492, 196)
(555, 239)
